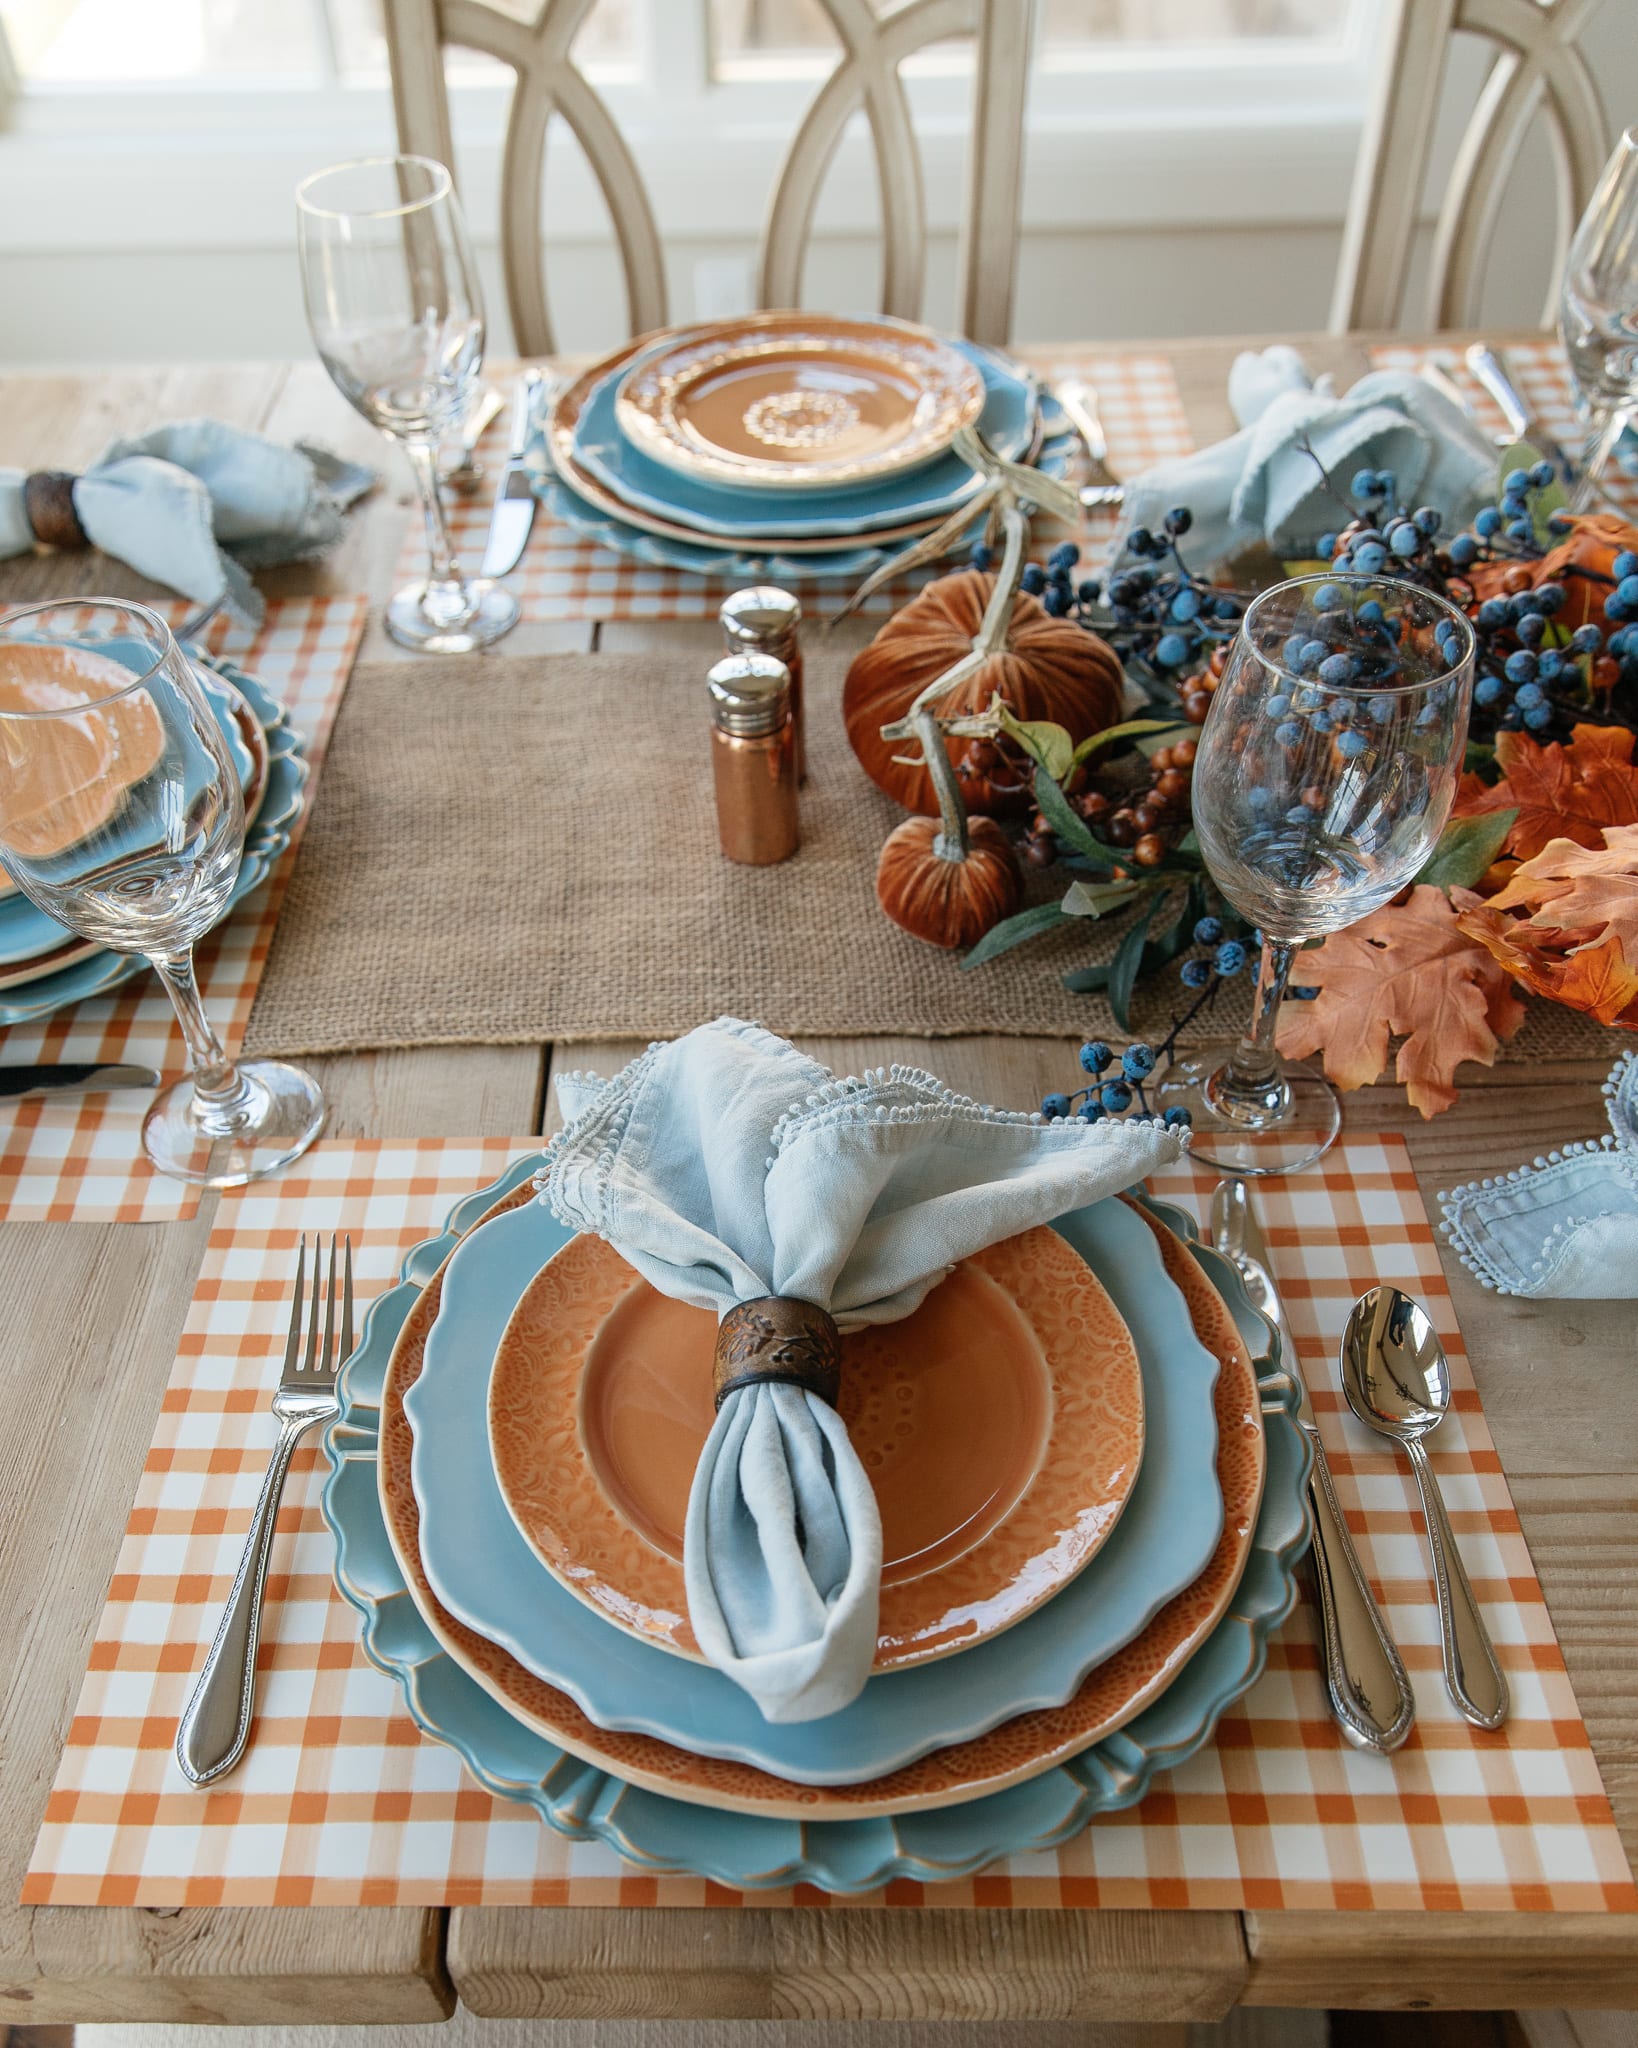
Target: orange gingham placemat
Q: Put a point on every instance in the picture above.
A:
(80, 1159)
(1543, 377)
(565, 576)
(341, 1801)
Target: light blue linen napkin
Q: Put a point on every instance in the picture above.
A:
(199, 504)
(1263, 484)
(725, 1167)
(1566, 1225)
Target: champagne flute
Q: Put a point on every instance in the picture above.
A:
(1598, 313)
(1325, 773)
(396, 310)
(121, 816)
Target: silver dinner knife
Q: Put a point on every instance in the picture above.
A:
(1490, 370)
(20, 1084)
(514, 512)
(1365, 1675)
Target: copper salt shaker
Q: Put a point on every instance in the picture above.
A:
(767, 620)
(753, 758)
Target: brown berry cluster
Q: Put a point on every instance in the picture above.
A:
(1146, 818)
(1198, 691)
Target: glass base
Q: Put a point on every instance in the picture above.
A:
(283, 1112)
(411, 623)
(1308, 1128)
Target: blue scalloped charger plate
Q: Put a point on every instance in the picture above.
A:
(25, 929)
(485, 1573)
(750, 1852)
(724, 559)
(744, 517)
(287, 775)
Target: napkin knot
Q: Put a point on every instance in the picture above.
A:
(48, 506)
(778, 1341)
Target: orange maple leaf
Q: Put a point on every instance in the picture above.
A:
(1594, 979)
(1579, 945)
(1408, 969)
(1559, 792)
(1575, 888)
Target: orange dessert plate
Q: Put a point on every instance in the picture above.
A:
(1001, 1425)
(1109, 1697)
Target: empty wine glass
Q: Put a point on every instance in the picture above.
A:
(396, 310)
(1325, 773)
(1598, 313)
(122, 817)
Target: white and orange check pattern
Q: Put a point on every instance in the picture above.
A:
(564, 576)
(342, 1801)
(1543, 377)
(80, 1159)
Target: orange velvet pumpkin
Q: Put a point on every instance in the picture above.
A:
(947, 902)
(1049, 669)
(1593, 544)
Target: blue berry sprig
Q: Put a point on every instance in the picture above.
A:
(1111, 1093)
(1156, 612)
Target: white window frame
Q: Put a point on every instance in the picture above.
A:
(1248, 132)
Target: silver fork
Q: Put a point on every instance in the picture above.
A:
(213, 1732)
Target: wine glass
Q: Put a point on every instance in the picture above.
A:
(1325, 773)
(122, 817)
(1598, 313)
(396, 310)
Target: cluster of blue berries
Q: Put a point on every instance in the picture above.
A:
(1540, 675)
(1530, 673)
(1221, 959)
(1154, 611)
(1110, 1094)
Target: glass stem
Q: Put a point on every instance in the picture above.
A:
(447, 592)
(1251, 1088)
(221, 1089)
(1604, 430)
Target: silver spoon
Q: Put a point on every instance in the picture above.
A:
(1398, 1383)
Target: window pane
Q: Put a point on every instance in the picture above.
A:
(278, 42)
(69, 42)
(754, 29)
(1071, 22)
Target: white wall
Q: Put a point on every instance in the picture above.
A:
(86, 281)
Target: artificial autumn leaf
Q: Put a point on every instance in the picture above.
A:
(1579, 945)
(1582, 888)
(1559, 792)
(1407, 969)
(1595, 980)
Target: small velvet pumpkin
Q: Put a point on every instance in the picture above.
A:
(1049, 669)
(933, 891)
(1591, 545)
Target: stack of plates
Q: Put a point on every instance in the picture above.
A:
(1092, 1511)
(43, 965)
(784, 445)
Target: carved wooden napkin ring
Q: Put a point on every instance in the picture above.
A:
(48, 506)
(779, 1341)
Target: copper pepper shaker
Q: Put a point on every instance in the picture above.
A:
(753, 758)
(767, 620)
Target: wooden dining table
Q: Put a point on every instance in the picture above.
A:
(93, 1313)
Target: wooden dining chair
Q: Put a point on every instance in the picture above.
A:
(867, 76)
(1537, 69)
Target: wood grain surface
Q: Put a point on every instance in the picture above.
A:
(95, 1311)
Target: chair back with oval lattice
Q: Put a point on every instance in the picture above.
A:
(867, 78)
(1537, 70)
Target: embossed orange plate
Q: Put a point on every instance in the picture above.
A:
(1001, 1425)
(798, 401)
(1028, 1745)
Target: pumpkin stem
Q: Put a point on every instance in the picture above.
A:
(993, 628)
(950, 842)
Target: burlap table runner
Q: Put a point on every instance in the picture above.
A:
(517, 851)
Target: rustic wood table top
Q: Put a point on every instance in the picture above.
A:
(94, 1312)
